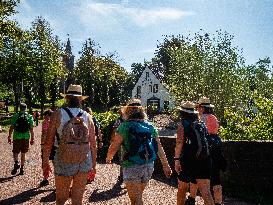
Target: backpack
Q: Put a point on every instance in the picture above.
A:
(22, 124)
(196, 142)
(97, 125)
(142, 145)
(74, 141)
(215, 147)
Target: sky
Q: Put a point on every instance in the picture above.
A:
(133, 28)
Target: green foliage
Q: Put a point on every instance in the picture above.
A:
(106, 121)
(209, 65)
(101, 77)
(252, 122)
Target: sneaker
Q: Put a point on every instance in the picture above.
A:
(44, 183)
(21, 172)
(190, 201)
(15, 168)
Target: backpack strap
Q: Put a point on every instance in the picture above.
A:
(68, 112)
(80, 114)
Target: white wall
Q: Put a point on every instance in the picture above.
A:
(146, 92)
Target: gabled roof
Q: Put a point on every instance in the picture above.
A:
(144, 72)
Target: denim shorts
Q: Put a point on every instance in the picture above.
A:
(138, 173)
(71, 169)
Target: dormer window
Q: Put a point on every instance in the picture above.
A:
(147, 75)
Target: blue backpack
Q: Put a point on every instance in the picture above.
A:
(142, 145)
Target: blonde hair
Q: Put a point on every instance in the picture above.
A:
(134, 110)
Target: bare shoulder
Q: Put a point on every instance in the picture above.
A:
(56, 117)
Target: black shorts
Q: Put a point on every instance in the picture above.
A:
(194, 169)
(215, 177)
(20, 145)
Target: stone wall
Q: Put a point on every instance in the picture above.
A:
(250, 167)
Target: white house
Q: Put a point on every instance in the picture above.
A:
(152, 92)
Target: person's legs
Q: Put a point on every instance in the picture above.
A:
(16, 163)
(204, 187)
(135, 191)
(193, 191)
(181, 192)
(62, 184)
(78, 188)
(23, 158)
(217, 192)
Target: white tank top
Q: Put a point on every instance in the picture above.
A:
(65, 118)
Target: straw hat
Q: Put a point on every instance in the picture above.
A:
(188, 107)
(205, 102)
(74, 90)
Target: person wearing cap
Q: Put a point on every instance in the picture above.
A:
(189, 168)
(67, 173)
(22, 130)
(205, 109)
(129, 134)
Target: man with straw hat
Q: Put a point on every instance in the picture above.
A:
(76, 147)
(189, 165)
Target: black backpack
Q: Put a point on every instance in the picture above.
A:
(22, 124)
(215, 147)
(196, 139)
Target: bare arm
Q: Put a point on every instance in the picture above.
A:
(179, 141)
(10, 133)
(92, 140)
(50, 137)
(162, 156)
(114, 147)
(179, 147)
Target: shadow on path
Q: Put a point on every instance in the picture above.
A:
(23, 197)
(49, 198)
(6, 179)
(116, 191)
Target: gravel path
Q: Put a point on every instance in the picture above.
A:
(104, 190)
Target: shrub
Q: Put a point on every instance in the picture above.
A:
(253, 121)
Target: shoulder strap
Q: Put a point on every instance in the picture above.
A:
(68, 112)
(80, 114)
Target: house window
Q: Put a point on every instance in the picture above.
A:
(151, 88)
(138, 90)
(147, 75)
(155, 88)
(166, 105)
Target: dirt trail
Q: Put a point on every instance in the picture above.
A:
(104, 190)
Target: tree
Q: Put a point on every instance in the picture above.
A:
(204, 65)
(101, 77)
(46, 58)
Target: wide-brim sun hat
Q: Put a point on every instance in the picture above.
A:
(133, 102)
(188, 107)
(74, 90)
(205, 102)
